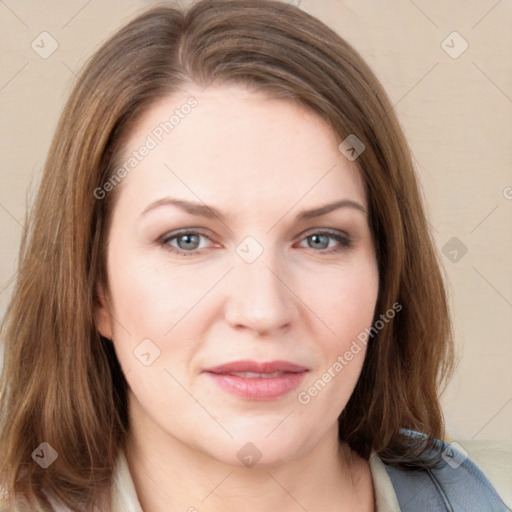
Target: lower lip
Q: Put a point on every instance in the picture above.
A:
(258, 388)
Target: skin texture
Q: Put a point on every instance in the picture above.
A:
(259, 161)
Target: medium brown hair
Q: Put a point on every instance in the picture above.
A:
(62, 383)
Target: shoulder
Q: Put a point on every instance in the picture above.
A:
(471, 475)
(494, 459)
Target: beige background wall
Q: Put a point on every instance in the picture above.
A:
(455, 107)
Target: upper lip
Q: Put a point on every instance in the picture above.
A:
(257, 367)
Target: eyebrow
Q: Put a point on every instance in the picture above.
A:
(209, 212)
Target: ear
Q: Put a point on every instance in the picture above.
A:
(102, 316)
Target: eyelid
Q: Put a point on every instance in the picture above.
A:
(342, 237)
(329, 231)
(171, 235)
(182, 231)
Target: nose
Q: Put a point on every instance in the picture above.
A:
(261, 295)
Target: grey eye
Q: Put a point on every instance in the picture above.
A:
(319, 241)
(188, 241)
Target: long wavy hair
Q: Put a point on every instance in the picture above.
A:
(62, 383)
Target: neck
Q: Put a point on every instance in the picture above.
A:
(169, 475)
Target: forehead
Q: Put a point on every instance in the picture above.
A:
(228, 142)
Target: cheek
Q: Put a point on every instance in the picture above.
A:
(161, 303)
(345, 307)
(150, 299)
(328, 389)
(345, 301)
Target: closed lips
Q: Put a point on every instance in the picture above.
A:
(253, 380)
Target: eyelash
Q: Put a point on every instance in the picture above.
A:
(344, 241)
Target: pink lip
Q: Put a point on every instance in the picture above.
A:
(258, 388)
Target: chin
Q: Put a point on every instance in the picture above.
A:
(259, 451)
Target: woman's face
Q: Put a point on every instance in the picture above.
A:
(260, 281)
